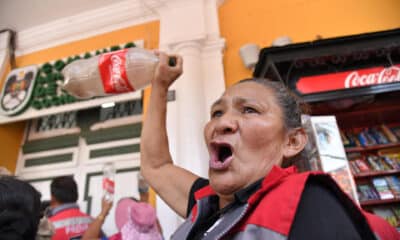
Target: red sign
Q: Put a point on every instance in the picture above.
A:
(348, 79)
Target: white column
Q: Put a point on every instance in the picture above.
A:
(191, 28)
(191, 115)
(213, 72)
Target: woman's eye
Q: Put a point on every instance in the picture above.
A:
(249, 110)
(217, 113)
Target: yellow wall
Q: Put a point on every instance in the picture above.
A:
(261, 21)
(11, 137)
(12, 133)
(149, 32)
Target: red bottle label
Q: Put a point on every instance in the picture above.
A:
(108, 185)
(113, 72)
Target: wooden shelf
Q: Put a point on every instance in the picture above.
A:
(376, 173)
(370, 203)
(371, 148)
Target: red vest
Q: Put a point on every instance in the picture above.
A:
(70, 224)
(270, 211)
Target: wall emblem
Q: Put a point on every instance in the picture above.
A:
(17, 90)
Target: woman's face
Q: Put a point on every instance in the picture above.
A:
(245, 137)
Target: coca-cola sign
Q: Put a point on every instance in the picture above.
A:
(348, 79)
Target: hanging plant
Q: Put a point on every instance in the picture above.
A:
(70, 60)
(46, 103)
(55, 101)
(130, 45)
(115, 48)
(50, 78)
(40, 91)
(37, 104)
(41, 79)
(87, 55)
(47, 68)
(59, 65)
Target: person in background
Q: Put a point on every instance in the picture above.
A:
(253, 135)
(68, 221)
(19, 209)
(143, 189)
(135, 219)
(46, 228)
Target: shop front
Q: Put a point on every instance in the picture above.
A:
(356, 79)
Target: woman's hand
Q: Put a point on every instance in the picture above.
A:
(105, 207)
(94, 229)
(165, 74)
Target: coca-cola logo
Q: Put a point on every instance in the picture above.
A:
(113, 72)
(116, 74)
(386, 75)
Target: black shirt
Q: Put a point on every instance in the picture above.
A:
(320, 215)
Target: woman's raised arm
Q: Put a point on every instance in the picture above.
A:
(171, 182)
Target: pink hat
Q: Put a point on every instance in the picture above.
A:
(136, 218)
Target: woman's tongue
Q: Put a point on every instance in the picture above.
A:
(221, 158)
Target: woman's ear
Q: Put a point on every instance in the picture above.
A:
(296, 141)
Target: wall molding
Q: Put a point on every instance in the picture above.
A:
(86, 24)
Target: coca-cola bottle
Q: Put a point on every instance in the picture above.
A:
(110, 73)
(108, 181)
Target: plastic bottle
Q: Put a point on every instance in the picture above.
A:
(111, 73)
(108, 181)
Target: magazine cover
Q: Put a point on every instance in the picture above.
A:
(325, 151)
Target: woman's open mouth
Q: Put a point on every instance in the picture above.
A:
(221, 155)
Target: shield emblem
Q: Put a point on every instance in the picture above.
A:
(17, 90)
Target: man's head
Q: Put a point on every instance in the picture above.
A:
(63, 190)
(19, 209)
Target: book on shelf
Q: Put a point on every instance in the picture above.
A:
(368, 135)
(354, 168)
(344, 138)
(382, 187)
(362, 165)
(388, 133)
(396, 210)
(374, 163)
(366, 192)
(379, 136)
(396, 131)
(394, 185)
(387, 214)
(364, 140)
(352, 138)
(392, 163)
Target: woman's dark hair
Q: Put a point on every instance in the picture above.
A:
(64, 189)
(19, 209)
(291, 105)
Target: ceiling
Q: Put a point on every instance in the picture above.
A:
(22, 14)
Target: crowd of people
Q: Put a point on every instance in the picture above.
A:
(23, 216)
(252, 191)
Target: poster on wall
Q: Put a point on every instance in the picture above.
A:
(17, 90)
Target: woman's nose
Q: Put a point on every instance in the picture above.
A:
(226, 124)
